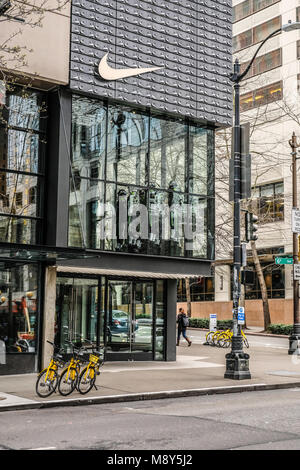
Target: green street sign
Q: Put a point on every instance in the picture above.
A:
(284, 260)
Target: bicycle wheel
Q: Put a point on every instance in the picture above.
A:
(87, 380)
(46, 384)
(209, 336)
(224, 340)
(68, 381)
(215, 337)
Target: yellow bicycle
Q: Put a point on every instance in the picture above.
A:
(225, 339)
(87, 378)
(70, 375)
(47, 380)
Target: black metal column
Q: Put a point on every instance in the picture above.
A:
(237, 362)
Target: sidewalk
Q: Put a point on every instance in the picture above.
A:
(199, 370)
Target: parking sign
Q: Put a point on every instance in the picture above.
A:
(241, 316)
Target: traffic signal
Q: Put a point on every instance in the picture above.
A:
(247, 277)
(251, 226)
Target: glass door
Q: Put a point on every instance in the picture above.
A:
(129, 319)
(119, 316)
(76, 310)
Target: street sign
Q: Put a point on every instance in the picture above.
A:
(295, 220)
(241, 316)
(212, 321)
(296, 272)
(279, 260)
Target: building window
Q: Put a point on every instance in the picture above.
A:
(269, 202)
(264, 63)
(248, 7)
(144, 172)
(22, 149)
(256, 34)
(262, 96)
(202, 289)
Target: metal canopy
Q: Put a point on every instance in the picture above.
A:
(120, 272)
(51, 255)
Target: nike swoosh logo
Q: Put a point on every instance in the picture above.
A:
(108, 73)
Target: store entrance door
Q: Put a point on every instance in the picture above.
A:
(129, 320)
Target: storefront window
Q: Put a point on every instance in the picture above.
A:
(19, 307)
(126, 316)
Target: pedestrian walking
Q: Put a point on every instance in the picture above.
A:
(183, 323)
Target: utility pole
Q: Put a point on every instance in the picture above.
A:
(294, 339)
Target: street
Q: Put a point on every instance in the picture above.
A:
(256, 420)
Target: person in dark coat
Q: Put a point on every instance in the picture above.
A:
(183, 323)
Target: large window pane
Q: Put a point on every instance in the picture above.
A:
(198, 160)
(260, 4)
(19, 307)
(19, 230)
(19, 194)
(196, 228)
(168, 143)
(88, 137)
(242, 10)
(25, 109)
(85, 206)
(127, 146)
(21, 150)
(263, 30)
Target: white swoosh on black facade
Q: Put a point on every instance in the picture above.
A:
(108, 73)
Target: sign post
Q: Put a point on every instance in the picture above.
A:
(213, 321)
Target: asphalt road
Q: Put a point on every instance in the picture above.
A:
(250, 421)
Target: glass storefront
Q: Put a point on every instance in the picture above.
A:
(19, 315)
(140, 183)
(126, 316)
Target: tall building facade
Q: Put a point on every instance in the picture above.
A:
(107, 185)
(269, 103)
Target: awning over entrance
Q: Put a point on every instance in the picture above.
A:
(114, 272)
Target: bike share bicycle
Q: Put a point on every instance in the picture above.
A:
(47, 379)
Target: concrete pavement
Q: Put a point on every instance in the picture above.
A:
(199, 370)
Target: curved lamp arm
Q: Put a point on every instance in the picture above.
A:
(238, 77)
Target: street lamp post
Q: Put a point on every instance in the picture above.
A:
(237, 362)
(294, 339)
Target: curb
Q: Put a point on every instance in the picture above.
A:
(148, 396)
